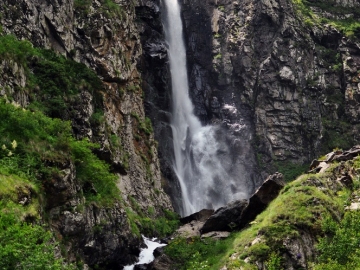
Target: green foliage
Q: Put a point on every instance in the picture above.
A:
(336, 135)
(160, 227)
(350, 27)
(41, 143)
(290, 170)
(82, 6)
(54, 81)
(13, 188)
(60, 81)
(111, 9)
(144, 126)
(20, 51)
(259, 250)
(340, 249)
(197, 253)
(274, 262)
(26, 246)
(99, 183)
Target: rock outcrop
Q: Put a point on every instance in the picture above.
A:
(293, 84)
(106, 39)
(236, 215)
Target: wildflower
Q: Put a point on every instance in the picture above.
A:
(3, 147)
(14, 144)
(10, 154)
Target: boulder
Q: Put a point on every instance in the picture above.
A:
(238, 214)
(202, 215)
(225, 218)
(163, 262)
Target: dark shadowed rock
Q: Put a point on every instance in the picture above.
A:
(262, 197)
(163, 263)
(237, 214)
(158, 251)
(142, 267)
(270, 188)
(225, 218)
(202, 215)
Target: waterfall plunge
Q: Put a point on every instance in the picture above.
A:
(203, 163)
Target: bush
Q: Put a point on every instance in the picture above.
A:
(341, 248)
(26, 246)
(42, 143)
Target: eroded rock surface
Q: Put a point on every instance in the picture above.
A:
(106, 39)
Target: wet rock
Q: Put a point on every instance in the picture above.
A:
(163, 262)
(142, 267)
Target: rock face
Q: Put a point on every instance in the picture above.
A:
(105, 38)
(292, 85)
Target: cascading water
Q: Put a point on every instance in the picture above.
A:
(203, 162)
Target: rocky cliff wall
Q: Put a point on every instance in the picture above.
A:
(290, 77)
(103, 36)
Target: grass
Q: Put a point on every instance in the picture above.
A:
(26, 246)
(54, 82)
(303, 205)
(197, 253)
(12, 189)
(41, 144)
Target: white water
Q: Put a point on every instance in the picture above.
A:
(203, 162)
(146, 254)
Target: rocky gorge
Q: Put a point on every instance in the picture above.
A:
(278, 78)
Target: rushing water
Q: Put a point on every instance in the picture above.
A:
(203, 162)
(146, 254)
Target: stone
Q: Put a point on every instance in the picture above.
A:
(202, 215)
(163, 262)
(225, 218)
(238, 214)
(216, 235)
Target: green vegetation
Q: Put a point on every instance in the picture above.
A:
(54, 82)
(340, 249)
(149, 224)
(197, 253)
(290, 170)
(82, 6)
(41, 141)
(111, 9)
(313, 204)
(26, 246)
(108, 7)
(336, 135)
(350, 27)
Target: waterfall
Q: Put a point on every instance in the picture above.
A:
(202, 162)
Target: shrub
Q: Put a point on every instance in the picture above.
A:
(42, 143)
(26, 246)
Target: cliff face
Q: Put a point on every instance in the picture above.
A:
(280, 79)
(292, 78)
(103, 36)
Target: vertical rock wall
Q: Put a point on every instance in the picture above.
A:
(106, 39)
(291, 83)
